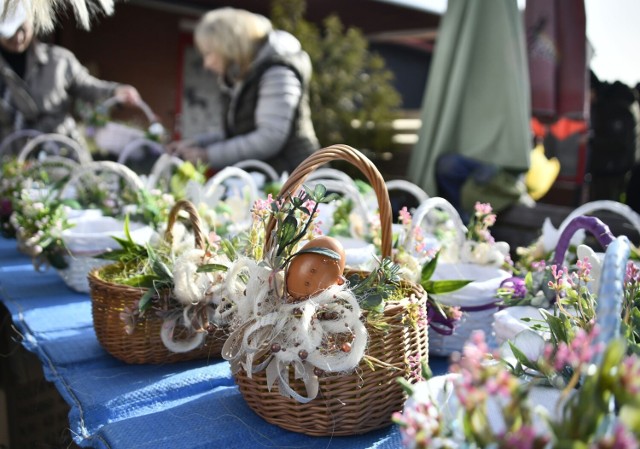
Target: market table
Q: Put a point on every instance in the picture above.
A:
(115, 405)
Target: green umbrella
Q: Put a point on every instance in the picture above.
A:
(477, 101)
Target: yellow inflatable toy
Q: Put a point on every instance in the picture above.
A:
(542, 173)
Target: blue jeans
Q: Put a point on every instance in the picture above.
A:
(453, 170)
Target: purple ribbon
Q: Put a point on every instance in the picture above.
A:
(488, 306)
(439, 322)
(445, 325)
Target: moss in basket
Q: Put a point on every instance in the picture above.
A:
(139, 266)
(151, 267)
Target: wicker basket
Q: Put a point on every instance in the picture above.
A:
(477, 301)
(144, 345)
(363, 400)
(85, 245)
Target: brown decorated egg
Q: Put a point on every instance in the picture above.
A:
(310, 273)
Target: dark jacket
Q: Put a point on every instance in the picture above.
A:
(259, 123)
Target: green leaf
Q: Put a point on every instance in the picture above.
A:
(319, 192)
(329, 198)
(372, 302)
(161, 269)
(444, 286)
(406, 385)
(211, 267)
(288, 230)
(521, 357)
(428, 269)
(127, 231)
(145, 300)
(229, 249)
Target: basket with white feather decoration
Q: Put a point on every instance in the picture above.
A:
(168, 317)
(317, 364)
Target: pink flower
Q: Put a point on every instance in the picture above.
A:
(483, 208)
(630, 375)
(404, 216)
(632, 275)
(622, 438)
(523, 438)
(539, 265)
(578, 353)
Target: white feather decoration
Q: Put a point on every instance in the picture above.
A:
(43, 12)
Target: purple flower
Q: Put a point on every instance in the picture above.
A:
(516, 285)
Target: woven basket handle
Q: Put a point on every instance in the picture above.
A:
(84, 157)
(16, 135)
(594, 225)
(53, 162)
(132, 146)
(227, 173)
(128, 175)
(613, 206)
(406, 186)
(360, 161)
(611, 294)
(249, 164)
(194, 218)
(144, 107)
(162, 168)
(433, 203)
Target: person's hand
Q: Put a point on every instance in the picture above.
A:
(128, 95)
(187, 150)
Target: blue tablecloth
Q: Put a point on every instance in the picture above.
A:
(115, 405)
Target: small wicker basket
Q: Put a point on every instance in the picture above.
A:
(144, 345)
(363, 400)
(82, 255)
(68, 158)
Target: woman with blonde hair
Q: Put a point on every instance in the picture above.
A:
(264, 74)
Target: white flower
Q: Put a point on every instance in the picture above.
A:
(528, 341)
(484, 253)
(551, 235)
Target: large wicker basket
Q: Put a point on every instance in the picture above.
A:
(144, 344)
(363, 400)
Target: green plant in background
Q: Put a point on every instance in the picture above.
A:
(352, 98)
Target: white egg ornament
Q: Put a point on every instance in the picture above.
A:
(309, 273)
